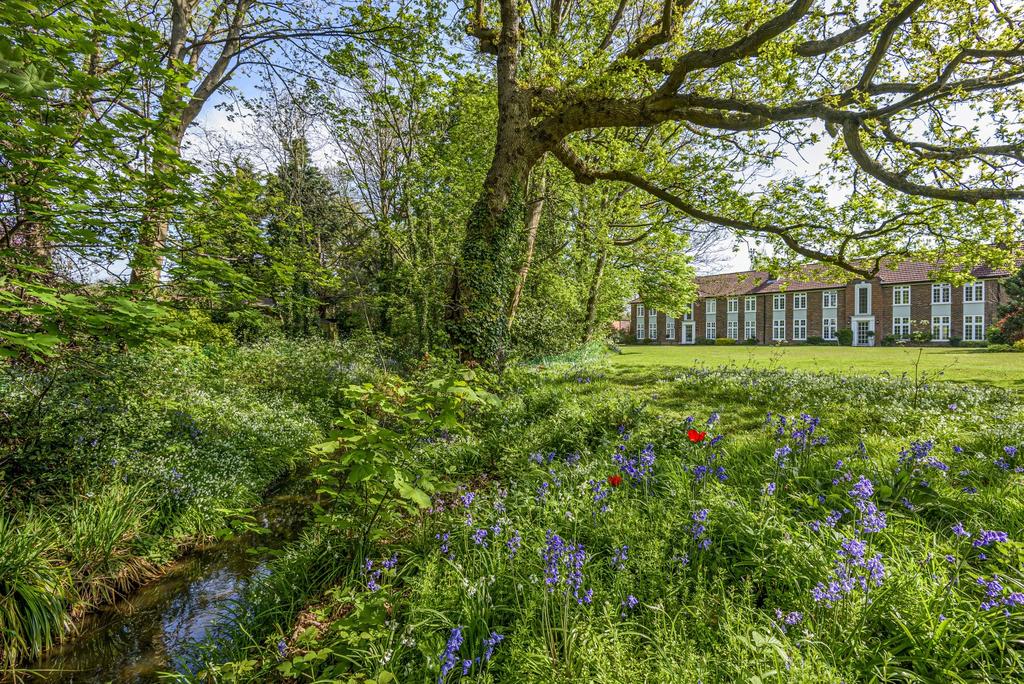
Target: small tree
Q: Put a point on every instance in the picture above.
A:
(1010, 326)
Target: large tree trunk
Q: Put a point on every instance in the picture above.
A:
(595, 289)
(484, 277)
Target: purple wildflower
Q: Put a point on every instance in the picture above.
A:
(451, 650)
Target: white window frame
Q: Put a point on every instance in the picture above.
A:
(778, 330)
(652, 325)
(828, 328)
(800, 301)
(670, 328)
(900, 295)
(750, 304)
(901, 326)
(710, 330)
(829, 299)
(800, 329)
(733, 305)
(863, 287)
(974, 323)
(975, 290)
(940, 328)
(710, 307)
(779, 302)
(732, 329)
(640, 311)
(688, 313)
(749, 329)
(941, 293)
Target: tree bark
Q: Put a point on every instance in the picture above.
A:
(484, 276)
(534, 210)
(595, 289)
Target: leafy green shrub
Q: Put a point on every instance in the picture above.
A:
(920, 336)
(954, 341)
(750, 340)
(1000, 348)
(1019, 345)
(815, 339)
(844, 336)
(705, 340)
(724, 341)
(994, 334)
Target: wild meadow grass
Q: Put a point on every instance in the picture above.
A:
(113, 465)
(690, 525)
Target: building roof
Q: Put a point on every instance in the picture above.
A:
(760, 282)
(730, 284)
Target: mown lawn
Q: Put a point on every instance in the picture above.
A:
(946, 363)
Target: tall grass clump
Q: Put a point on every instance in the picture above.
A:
(34, 591)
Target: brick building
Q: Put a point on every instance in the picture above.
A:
(898, 301)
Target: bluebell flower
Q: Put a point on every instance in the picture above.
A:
(480, 536)
(989, 537)
(443, 538)
(451, 650)
(863, 489)
(619, 557)
(490, 643)
(513, 543)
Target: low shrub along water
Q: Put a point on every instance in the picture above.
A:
(114, 464)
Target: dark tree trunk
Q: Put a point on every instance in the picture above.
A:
(484, 277)
(595, 289)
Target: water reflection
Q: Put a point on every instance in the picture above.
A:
(152, 631)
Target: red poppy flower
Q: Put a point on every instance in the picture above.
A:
(615, 480)
(696, 436)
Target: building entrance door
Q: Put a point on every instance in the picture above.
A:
(864, 333)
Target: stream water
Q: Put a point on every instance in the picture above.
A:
(153, 630)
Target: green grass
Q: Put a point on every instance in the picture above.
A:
(702, 613)
(945, 363)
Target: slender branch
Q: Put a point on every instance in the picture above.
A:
(587, 175)
(744, 47)
(885, 41)
(851, 136)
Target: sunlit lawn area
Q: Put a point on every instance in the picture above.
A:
(944, 363)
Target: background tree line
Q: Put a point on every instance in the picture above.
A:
(490, 178)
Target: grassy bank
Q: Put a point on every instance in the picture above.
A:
(811, 528)
(113, 465)
(938, 363)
